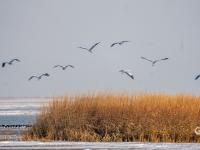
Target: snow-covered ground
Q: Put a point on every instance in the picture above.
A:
(7, 145)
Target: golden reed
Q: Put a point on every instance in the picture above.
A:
(110, 117)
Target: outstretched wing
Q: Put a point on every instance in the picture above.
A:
(147, 59)
(14, 60)
(161, 59)
(130, 75)
(45, 74)
(70, 66)
(165, 58)
(113, 44)
(83, 48)
(127, 73)
(58, 66)
(32, 77)
(122, 71)
(122, 42)
(197, 77)
(93, 46)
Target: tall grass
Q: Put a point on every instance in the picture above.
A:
(153, 118)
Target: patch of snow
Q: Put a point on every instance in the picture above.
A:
(97, 145)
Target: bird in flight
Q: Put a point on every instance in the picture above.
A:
(63, 67)
(9, 62)
(91, 48)
(154, 61)
(127, 73)
(197, 77)
(118, 43)
(39, 77)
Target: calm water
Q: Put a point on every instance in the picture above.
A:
(20, 111)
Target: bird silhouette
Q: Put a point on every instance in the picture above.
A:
(39, 77)
(197, 77)
(63, 67)
(9, 62)
(127, 73)
(91, 48)
(33, 77)
(118, 43)
(154, 61)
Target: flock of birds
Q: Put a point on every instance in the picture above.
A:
(4, 64)
(90, 49)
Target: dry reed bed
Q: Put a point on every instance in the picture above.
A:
(153, 118)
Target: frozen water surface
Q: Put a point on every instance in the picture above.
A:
(20, 110)
(15, 111)
(97, 145)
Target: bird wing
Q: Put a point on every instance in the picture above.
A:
(129, 74)
(14, 60)
(161, 59)
(147, 59)
(122, 42)
(41, 76)
(113, 44)
(165, 58)
(70, 66)
(83, 48)
(127, 70)
(45, 74)
(122, 71)
(93, 46)
(58, 66)
(32, 77)
(197, 77)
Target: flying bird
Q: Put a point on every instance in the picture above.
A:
(91, 48)
(63, 67)
(118, 43)
(9, 62)
(127, 73)
(39, 77)
(197, 77)
(33, 77)
(154, 61)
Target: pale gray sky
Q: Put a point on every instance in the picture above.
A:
(43, 33)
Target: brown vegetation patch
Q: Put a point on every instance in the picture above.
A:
(153, 118)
